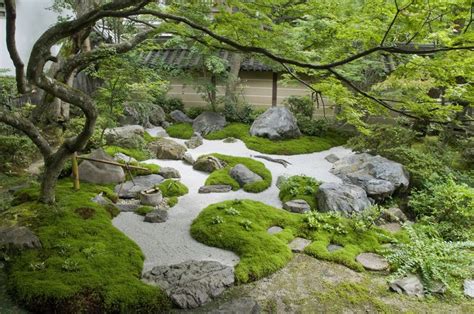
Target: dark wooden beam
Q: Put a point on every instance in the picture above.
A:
(274, 89)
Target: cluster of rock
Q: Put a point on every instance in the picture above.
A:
(192, 283)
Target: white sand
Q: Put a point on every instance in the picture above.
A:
(170, 242)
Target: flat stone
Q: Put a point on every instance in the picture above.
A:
(334, 247)
(157, 131)
(372, 261)
(392, 227)
(169, 173)
(469, 288)
(410, 285)
(331, 158)
(156, 216)
(18, 237)
(192, 283)
(131, 189)
(127, 205)
(218, 188)
(244, 305)
(274, 229)
(297, 206)
(230, 140)
(298, 244)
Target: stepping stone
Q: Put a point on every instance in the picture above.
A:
(469, 288)
(331, 158)
(298, 244)
(230, 140)
(372, 261)
(157, 216)
(128, 205)
(333, 247)
(297, 206)
(192, 283)
(410, 285)
(218, 188)
(274, 230)
(238, 306)
(392, 227)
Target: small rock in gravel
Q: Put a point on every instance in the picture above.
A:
(297, 206)
(157, 216)
(195, 141)
(244, 175)
(274, 230)
(410, 285)
(298, 244)
(169, 173)
(333, 247)
(188, 158)
(372, 261)
(230, 140)
(469, 288)
(218, 188)
(331, 158)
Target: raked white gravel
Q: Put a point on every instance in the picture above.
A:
(171, 243)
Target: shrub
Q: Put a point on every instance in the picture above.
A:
(180, 130)
(299, 187)
(309, 126)
(193, 112)
(300, 105)
(435, 260)
(382, 137)
(169, 103)
(236, 112)
(447, 205)
(15, 152)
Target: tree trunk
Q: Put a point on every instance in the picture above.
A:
(233, 80)
(52, 169)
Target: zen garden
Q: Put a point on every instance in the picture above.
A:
(264, 156)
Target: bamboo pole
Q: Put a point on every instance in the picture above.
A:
(75, 172)
(113, 163)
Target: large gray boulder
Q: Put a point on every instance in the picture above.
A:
(244, 175)
(192, 283)
(100, 173)
(276, 123)
(167, 149)
(142, 114)
(18, 238)
(340, 197)
(208, 122)
(131, 189)
(208, 163)
(377, 175)
(128, 136)
(180, 117)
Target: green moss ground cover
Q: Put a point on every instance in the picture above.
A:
(180, 130)
(299, 187)
(85, 265)
(241, 226)
(302, 145)
(222, 176)
(173, 188)
(138, 154)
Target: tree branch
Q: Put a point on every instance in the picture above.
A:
(10, 7)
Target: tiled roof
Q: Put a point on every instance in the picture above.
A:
(188, 59)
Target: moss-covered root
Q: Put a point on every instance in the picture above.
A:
(222, 176)
(85, 265)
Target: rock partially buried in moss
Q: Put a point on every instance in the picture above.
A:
(334, 247)
(469, 288)
(193, 283)
(218, 188)
(195, 141)
(410, 285)
(230, 140)
(208, 163)
(100, 173)
(168, 173)
(274, 230)
(331, 158)
(18, 237)
(297, 206)
(299, 244)
(372, 261)
(245, 305)
(244, 175)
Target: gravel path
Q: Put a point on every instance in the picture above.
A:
(170, 242)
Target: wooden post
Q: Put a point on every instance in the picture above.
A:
(214, 89)
(274, 88)
(75, 172)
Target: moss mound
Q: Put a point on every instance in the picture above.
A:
(241, 226)
(222, 176)
(172, 188)
(180, 130)
(299, 187)
(302, 145)
(84, 265)
(138, 154)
